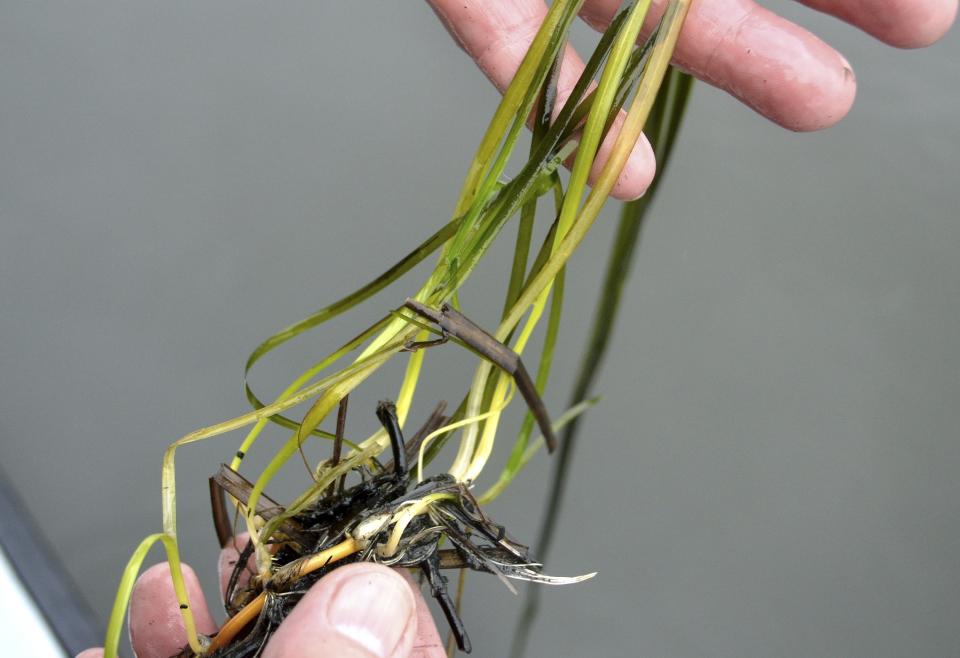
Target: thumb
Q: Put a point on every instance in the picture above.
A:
(361, 610)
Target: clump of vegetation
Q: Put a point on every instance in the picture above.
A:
(395, 513)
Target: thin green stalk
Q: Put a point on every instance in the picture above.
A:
(509, 118)
(128, 580)
(472, 455)
(528, 212)
(535, 446)
(344, 304)
(665, 119)
(295, 386)
(516, 461)
(597, 119)
(512, 98)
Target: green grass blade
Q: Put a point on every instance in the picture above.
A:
(298, 383)
(534, 447)
(665, 120)
(511, 100)
(528, 212)
(515, 106)
(128, 580)
(344, 304)
(516, 461)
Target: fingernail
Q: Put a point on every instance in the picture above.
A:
(848, 74)
(373, 609)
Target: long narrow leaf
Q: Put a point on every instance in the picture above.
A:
(665, 120)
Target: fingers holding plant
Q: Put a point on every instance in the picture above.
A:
(771, 64)
(497, 34)
(359, 611)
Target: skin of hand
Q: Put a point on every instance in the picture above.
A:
(772, 65)
(361, 610)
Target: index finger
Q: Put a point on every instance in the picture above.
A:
(497, 33)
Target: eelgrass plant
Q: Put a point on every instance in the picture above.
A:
(388, 515)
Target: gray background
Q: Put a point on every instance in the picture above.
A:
(773, 470)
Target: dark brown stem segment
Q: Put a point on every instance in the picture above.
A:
(436, 420)
(228, 480)
(454, 323)
(221, 515)
(438, 587)
(387, 414)
(338, 442)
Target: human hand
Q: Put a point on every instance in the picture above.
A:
(774, 66)
(361, 610)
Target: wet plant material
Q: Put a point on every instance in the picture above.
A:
(383, 513)
(372, 514)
